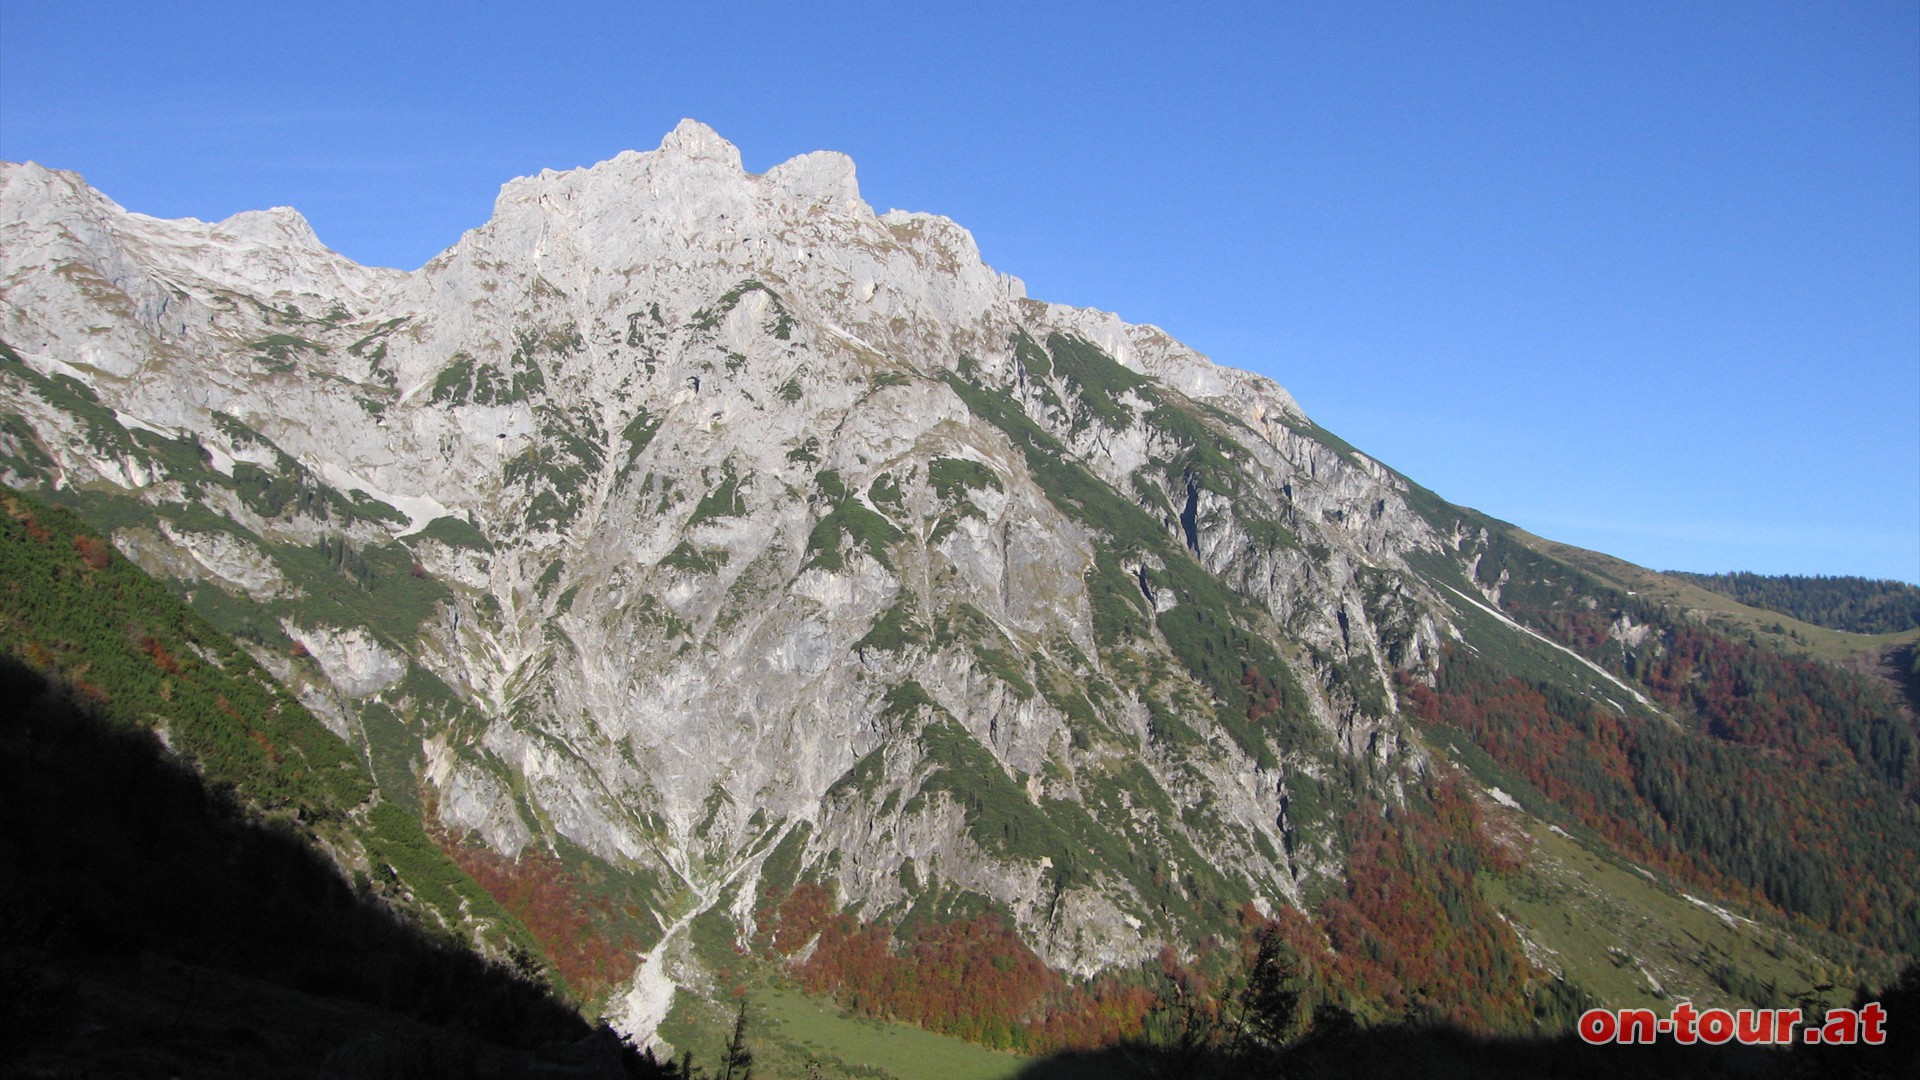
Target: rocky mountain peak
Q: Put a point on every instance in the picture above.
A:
(282, 226)
(824, 177)
(26, 183)
(704, 522)
(696, 180)
(696, 141)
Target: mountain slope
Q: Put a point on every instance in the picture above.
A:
(189, 860)
(722, 534)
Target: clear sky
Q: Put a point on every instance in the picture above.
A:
(1640, 277)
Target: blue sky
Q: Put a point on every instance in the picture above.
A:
(1640, 277)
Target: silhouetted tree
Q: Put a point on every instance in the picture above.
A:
(737, 1062)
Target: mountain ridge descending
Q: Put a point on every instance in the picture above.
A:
(1856, 604)
(702, 522)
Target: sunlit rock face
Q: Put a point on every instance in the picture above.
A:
(710, 522)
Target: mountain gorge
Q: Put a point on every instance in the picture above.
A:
(724, 541)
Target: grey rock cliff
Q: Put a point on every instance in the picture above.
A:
(711, 521)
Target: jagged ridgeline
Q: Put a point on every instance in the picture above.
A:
(690, 541)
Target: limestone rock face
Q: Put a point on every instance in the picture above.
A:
(723, 529)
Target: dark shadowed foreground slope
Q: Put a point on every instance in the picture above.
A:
(170, 915)
(151, 925)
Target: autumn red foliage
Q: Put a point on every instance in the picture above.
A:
(93, 551)
(546, 897)
(1410, 938)
(156, 651)
(973, 978)
(1412, 931)
(1786, 784)
(1809, 713)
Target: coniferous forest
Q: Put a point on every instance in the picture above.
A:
(1855, 604)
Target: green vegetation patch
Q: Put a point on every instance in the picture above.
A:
(239, 616)
(393, 754)
(1001, 665)
(1000, 817)
(280, 350)
(708, 318)
(1605, 921)
(291, 489)
(374, 345)
(1069, 694)
(1027, 352)
(864, 779)
(379, 586)
(954, 478)
(866, 1047)
(885, 491)
(20, 449)
(850, 527)
(636, 437)
(455, 532)
(1207, 629)
(1100, 380)
(780, 871)
(1206, 457)
(557, 471)
(550, 577)
(991, 649)
(467, 380)
(399, 847)
(75, 609)
(105, 434)
(1120, 612)
(724, 501)
(695, 560)
(893, 631)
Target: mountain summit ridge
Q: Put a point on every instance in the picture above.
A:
(727, 535)
(802, 268)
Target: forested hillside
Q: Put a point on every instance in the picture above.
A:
(1788, 780)
(1855, 604)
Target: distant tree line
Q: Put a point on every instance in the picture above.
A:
(1856, 604)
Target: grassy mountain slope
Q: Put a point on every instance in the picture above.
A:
(1777, 630)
